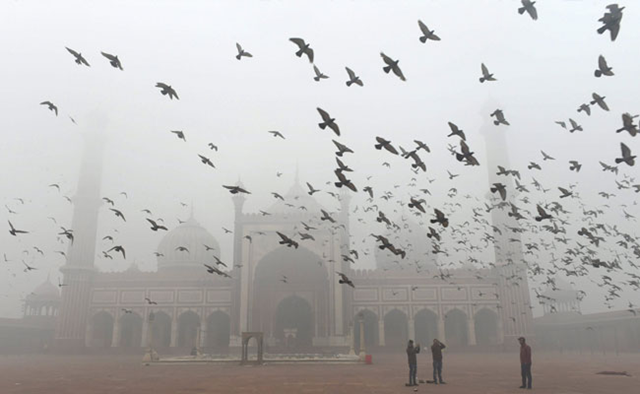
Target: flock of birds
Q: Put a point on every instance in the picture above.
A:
(547, 225)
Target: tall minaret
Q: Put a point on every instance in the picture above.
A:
(79, 269)
(517, 318)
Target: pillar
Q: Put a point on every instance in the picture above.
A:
(412, 329)
(174, 332)
(145, 331)
(500, 331)
(381, 332)
(363, 351)
(441, 334)
(352, 340)
(115, 338)
(203, 332)
(471, 332)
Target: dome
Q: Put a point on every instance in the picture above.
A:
(46, 290)
(188, 245)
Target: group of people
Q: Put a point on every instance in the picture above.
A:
(436, 352)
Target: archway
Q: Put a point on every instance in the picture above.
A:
(294, 322)
(101, 329)
(161, 330)
(370, 321)
(486, 322)
(188, 324)
(426, 327)
(130, 330)
(396, 329)
(218, 331)
(455, 328)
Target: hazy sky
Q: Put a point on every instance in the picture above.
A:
(544, 70)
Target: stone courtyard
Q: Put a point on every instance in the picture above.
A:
(553, 373)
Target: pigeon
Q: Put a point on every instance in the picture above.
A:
(562, 124)
(546, 156)
(575, 166)
(155, 226)
(342, 149)
(206, 161)
(499, 117)
(574, 126)
(276, 133)
(167, 90)
(542, 214)
(382, 143)
(433, 234)
(326, 216)
(242, 52)
(13, 231)
(565, 192)
(284, 240)
(422, 145)
(120, 249)
(466, 155)
(79, 59)
(327, 120)
(113, 60)
(212, 146)
(319, 75)
(311, 189)
(486, 76)
(303, 48)
(501, 189)
(426, 33)
(626, 155)
(417, 204)
(627, 124)
(597, 99)
(235, 189)
(392, 65)
(353, 78)
(611, 21)
(118, 213)
(456, 131)
(51, 106)
(440, 218)
(342, 166)
(585, 108)
(603, 68)
(528, 6)
(150, 302)
(345, 280)
(343, 181)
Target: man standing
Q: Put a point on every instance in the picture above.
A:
(412, 351)
(436, 352)
(525, 363)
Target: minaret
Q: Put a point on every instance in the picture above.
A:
(513, 286)
(79, 269)
(240, 290)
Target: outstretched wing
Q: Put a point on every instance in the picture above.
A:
(298, 41)
(71, 51)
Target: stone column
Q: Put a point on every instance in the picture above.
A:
(441, 333)
(500, 331)
(115, 338)
(381, 332)
(471, 332)
(145, 331)
(363, 350)
(352, 340)
(203, 332)
(174, 332)
(412, 329)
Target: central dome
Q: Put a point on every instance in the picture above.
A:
(188, 245)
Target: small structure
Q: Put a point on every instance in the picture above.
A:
(246, 337)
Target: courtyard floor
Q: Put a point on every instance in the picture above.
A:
(465, 373)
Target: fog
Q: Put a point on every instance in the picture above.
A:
(544, 71)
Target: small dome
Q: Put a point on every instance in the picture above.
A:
(46, 290)
(188, 245)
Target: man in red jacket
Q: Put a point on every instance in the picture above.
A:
(525, 363)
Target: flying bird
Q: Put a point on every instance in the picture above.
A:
(528, 6)
(276, 133)
(80, 60)
(345, 280)
(242, 52)
(499, 117)
(319, 74)
(167, 90)
(13, 231)
(382, 143)
(426, 33)
(626, 155)
(206, 161)
(440, 218)
(597, 99)
(611, 21)
(456, 131)
(603, 68)
(155, 226)
(327, 120)
(235, 189)
(303, 48)
(353, 78)
(113, 60)
(486, 76)
(342, 149)
(311, 189)
(542, 214)
(392, 65)
(118, 248)
(51, 106)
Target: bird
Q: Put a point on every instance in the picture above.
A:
(575, 166)
(155, 226)
(13, 231)
(326, 216)
(585, 108)
(182, 249)
(67, 233)
(422, 145)
(597, 99)
(611, 21)
(319, 75)
(603, 68)
(118, 213)
(574, 126)
(311, 189)
(343, 181)
(353, 78)
(167, 90)
(499, 117)
(542, 214)
(235, 189)
(345, 280)
(626, 155)
(212, 146)
(546, 156)
(382, 143)
(303, 48)
(528, 6)
(426, 33)
(276, 133)
(417, 204)
(565, 192)
(486, 76)
(342, 149)
(206, 161)
(149, 301)
(242, 52)
(628, 125)
(52, 107)
(392, 65)
(327, 120)
(342, 166)
(80, 60)
(125, 310)
(118, 248)
(113, 60)
(501, 189)
(284, 240)
(456, 131)
(440, 218)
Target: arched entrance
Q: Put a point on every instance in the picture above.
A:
(294, 322)
(426, 327)
(370, 321)
(161, 330)
(101, 329)
(486, 322)
(291, 288)
(130, 330)
(455, 328)
(396, 329)
(218, 331)
(188, 324)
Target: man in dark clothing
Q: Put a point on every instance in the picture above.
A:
(413, 362)
(525, 363)
(436, 352)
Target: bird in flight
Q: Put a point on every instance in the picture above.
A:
(235, 189)
(80, 60)
(626, 155)
(242, 52)
(327, 120)
(303, 48)
(486, 76)
(611, 21)
(319, 74)
(603, 68)
(392, 65)
(155, 226)
(353, 78)
(276, 133)
(167, 90)
(426, 33)
(51, 106)
(113, 60)
(13, 231)
(528, 6)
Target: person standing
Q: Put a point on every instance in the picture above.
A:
(412, 351)
(525, 363)
(436, 352)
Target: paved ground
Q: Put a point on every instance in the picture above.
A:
(465, 373)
